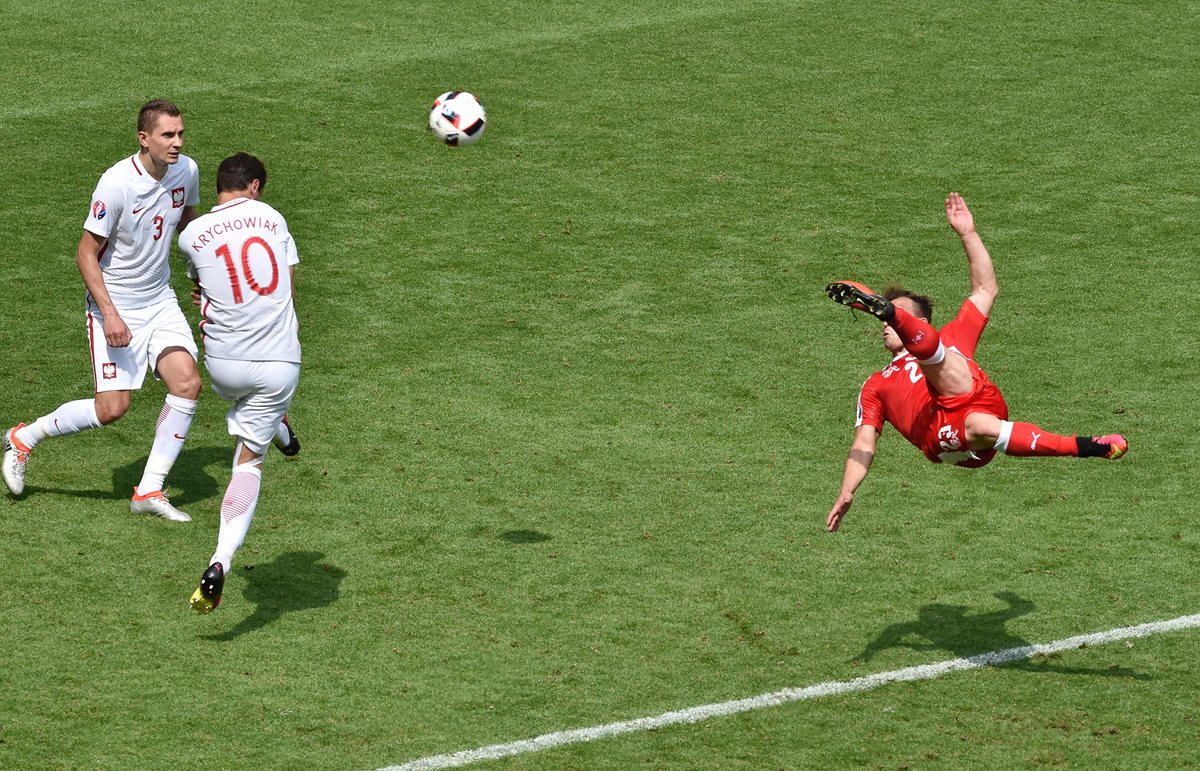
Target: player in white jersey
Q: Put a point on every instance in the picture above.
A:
(133, 320)
(243, 260)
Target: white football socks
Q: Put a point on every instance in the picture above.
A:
(173, 424)
(69, 418)
(237, 511)
(283, 436)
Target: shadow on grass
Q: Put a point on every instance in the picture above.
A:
(524, 536)
(189, 476)
(952, 628)
(293, 581)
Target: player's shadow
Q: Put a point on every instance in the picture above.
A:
(952, 628)
(189, 476)
(297, 580)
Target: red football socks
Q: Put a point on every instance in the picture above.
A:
(1028, 440)
(918, 335)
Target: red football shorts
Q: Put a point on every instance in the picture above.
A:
(945, 438)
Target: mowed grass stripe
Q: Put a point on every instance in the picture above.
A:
(408, 45)
(788, 695)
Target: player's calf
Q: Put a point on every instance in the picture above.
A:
(1027, 439)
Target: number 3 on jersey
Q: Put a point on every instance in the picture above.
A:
(247, 270)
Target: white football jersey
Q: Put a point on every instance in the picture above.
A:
(138, 215)
(240, 253)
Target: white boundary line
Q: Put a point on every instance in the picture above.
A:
(776, 698)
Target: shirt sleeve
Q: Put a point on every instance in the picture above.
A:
(185, 247)
(108, 200)
(965, 330)
(292, 256)
(870, 406)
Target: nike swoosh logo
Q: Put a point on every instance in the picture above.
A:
(180, 438)
(135, 211)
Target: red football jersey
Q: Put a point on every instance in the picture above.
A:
(899, 394)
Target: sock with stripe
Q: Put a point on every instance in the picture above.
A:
(237, 511)
(1027, 440)
(174, 422)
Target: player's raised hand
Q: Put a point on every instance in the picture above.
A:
(958, 215)
(840, 507)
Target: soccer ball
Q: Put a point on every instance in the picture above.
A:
(457, 118)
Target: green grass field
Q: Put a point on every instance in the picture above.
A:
(574, 406)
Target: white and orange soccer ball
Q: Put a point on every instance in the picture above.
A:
(457, 118)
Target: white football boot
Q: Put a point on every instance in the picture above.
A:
(156, 503)
(15, 456)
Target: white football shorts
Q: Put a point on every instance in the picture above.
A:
(154, 329)
(261, 392)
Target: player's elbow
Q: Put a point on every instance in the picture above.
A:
(984, 297)
(988, 288)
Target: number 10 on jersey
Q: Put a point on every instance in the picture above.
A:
(235, 284)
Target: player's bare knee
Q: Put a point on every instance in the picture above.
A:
(111, 407)
(178, 371)
(982, 429)
(187, 387)
(107, 418)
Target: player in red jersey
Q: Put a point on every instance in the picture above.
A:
(933, 392)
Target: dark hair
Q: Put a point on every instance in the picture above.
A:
(237, 172)
(152, 110)
(923, 302)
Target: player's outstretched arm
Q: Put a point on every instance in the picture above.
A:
(979, 263)
(858, 463)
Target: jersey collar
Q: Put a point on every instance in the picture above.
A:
(229, 204)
